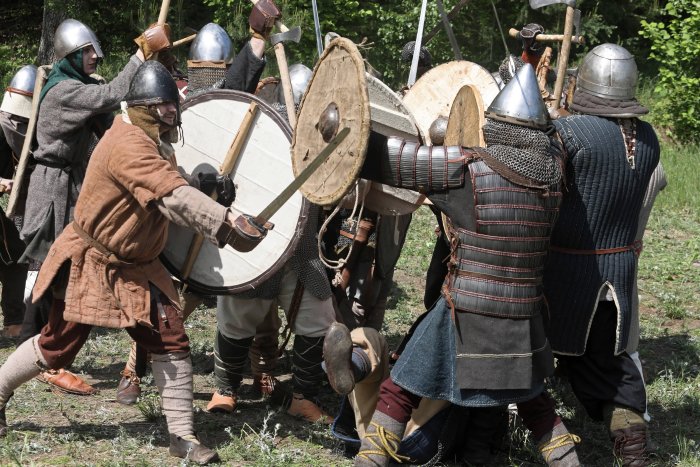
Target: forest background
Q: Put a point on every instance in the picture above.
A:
(661, 34)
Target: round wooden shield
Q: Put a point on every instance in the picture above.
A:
(210, 122)
(434, 92)
(267, 89)
(466, 119)
(335, 99)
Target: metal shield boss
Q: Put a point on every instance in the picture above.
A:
(337, 98)
(433, 94)
(210, 123)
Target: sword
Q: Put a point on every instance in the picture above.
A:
(288, 192)
(416, 50)
(317, 26)
(449, 31)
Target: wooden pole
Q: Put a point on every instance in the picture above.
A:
(512, 32)
(563, 58)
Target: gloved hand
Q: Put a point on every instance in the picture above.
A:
(263, 17)
(222, 184)
(527, 36)
(244, 235)
(154, 39)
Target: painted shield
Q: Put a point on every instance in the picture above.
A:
(433, 94)
(336, 98)
(210, 123)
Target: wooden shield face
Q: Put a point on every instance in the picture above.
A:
(262, 170)
(466, 119)
(433, 94)
(336, 98)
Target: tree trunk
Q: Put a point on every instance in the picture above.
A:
(54, 13)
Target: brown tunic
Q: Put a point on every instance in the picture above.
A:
(117, 208)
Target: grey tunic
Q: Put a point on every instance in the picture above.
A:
(64, 138)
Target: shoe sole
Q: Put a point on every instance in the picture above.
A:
(338, 364)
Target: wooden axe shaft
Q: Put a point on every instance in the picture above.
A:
(549, 37)
(184, 40)
(164, 7)
(563, 59)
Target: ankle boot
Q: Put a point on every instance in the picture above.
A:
(337, 355)
(189, 448)
(129, 388)
(628, 431)
(380, 443)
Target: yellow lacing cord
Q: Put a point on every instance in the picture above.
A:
(557, 442)
(387, 445)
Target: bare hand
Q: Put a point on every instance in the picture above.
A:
(6, 185)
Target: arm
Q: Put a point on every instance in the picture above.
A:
(404, 164)
(188, 207)
(247, 67)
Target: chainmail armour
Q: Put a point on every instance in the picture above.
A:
(526, 151)
(504, 69)
(205, 77)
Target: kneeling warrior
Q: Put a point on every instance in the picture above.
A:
(590, 273)
(103, 270)
(483, 343)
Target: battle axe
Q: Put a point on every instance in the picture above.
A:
(278, 40)
(563, 58)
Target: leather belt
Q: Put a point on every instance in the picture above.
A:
(637, 247)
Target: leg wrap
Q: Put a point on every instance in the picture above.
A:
(381, 441)
(230, 357)
(172, 373)
(307, 372)
(21, 366)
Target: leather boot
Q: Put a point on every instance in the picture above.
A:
(628, 431)
(558, 447)
(129, 389)
(222, 401)
(191, 449)
(308, 410)
(3, 423)
(337, 355)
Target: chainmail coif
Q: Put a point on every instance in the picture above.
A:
(527, 151)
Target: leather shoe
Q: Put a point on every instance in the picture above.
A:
(65, 381)
(191, 449)
(305, 409)
(337, 353)
(12, 331)
(3, 423)
(129, 389)
(222, 403)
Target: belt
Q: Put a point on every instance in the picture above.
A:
(637, 247)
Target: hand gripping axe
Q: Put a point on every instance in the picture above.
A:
(563, 58)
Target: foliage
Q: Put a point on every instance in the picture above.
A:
(675, 47)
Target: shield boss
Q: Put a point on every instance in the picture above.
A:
(337, 97)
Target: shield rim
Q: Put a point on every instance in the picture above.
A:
(199, 287)
(365, 128)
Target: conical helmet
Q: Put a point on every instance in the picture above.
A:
(18, 95)
(212, 44)
(608, 71)
(72, 35)
(520, 101)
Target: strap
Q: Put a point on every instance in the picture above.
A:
(637, 247)
(292, 313)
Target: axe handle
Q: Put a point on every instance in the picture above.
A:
(549, 37)
(184, 40)
(563, 58)
(12, 204)
(164, 7)
(286, 84)
(226, 168)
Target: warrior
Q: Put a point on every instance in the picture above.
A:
(103, 270)
(15, 112)
(300, 288)
(210, 58)
(483, 343)
(590, 273)
(73, 111)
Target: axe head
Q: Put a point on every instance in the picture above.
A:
(535, 4)
(293, 35)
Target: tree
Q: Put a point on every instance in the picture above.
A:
(54, 13)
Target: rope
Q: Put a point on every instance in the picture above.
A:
(558, 442)
(387, 444)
